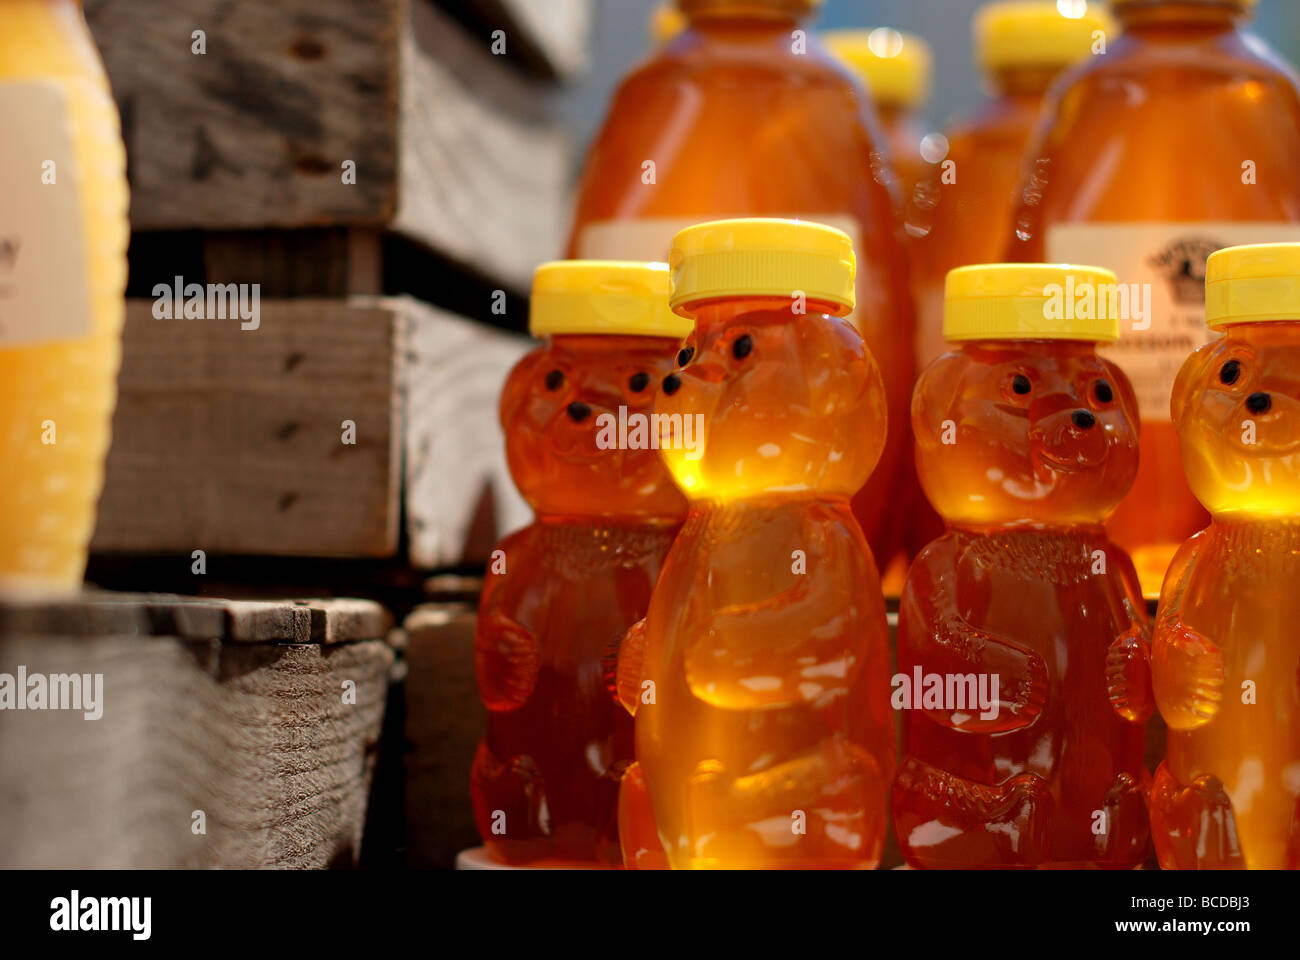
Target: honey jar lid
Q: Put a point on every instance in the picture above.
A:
(758, 257)
(603, 296)
(894, 66)
(1038, 32)
(1255, 283)
(1033, 301)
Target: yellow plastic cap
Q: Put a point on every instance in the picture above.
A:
(763, 258)
(1253, 284)
(603, 296)
(666, 21)
(1026, 33)
(1031, 301)
(894, 66)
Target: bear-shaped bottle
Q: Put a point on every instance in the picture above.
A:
(1226, 651)
(560, 594)
(759, 678)
(1023, 643)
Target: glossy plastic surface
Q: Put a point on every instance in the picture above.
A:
(560, 593)
(49, 490)
(764, 737)
(1024, 447)
(1157, 130)
(1226, 649)
(741, 121)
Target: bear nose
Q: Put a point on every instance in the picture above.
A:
(1083, 419)
(1258, 402)
(672, 383)
(579, 411)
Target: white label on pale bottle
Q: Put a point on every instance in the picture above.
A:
(43, 282)
(1168, 259)
(651, 238)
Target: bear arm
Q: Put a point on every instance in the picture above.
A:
(942, 641)
(507, 658)
(796, 646)
(1188, 673)
(631, 657)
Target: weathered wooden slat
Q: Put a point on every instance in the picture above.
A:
(444, 721)
(272, 742)
(455, 468)
(231, 441)
(451, 147)
(550, 36)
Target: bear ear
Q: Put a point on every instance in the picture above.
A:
(936, 392)
(525, 377)
(1189, 377)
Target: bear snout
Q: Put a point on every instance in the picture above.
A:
(672, 383)
(1083, 419)
(1259, 402)
(579, 411)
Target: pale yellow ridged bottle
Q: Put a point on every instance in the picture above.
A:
(63, 239)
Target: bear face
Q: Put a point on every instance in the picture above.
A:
(1236, 404)
(556, 409)
(1025, 431)
(774, 402)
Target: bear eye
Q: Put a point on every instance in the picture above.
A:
(1103, 392)
(638, 381)
(554, 380)
(1230, 373)
(684, 356)
(742, 347)
(1020, 384)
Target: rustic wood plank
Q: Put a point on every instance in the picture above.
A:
(552, 37)
(455, 466)
(255, 131)
(444, 721)
(231, 441)
(453, 149)
(259, 737)
(484, 174)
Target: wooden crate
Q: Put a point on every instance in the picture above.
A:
(444, 722)
(453, 148)
(231, 441)
(240, 710)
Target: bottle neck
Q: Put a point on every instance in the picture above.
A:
(1023, 80)
(1136, 16)
(777, 10)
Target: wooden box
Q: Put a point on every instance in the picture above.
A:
(229, 734)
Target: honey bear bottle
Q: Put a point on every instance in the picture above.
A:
(759, 678)
(1180, 140)
(744, 114)
(963, 213)
(895, 68)
(560, 594)
(1023, 659)
(1226, 650)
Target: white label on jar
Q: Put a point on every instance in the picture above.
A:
(43, 282)
(1168, 260)
(651, 238)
